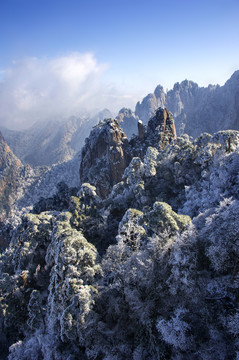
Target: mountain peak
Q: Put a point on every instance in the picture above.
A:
(234, 78)
(185, 84)
(127, 121)
(103, 156)
(162, 125)
(196, 109)
(159, 91)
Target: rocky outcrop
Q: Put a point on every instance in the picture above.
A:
(196, 109)
(104, 156)
(159, 132)
(107, 151)
(7, 157)
(140, 129)
(161, 128)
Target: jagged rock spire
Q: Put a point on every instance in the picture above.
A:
(103, 157)
(162, 125)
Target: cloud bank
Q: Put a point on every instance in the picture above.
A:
(36, 89)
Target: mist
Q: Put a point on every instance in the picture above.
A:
(38, 89)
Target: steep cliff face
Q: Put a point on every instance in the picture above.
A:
(7, 157)
(196, 109)
(104, 156)
(161, 128)
(21, 186)
(10, 171)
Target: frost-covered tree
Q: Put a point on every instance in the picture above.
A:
(46, 277)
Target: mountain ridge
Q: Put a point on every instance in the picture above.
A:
(196, 109)
(51, 142)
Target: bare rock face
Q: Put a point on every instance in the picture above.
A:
(10, 170)
(104, 156)
(162, 125)
(159, 132)
(7, 157)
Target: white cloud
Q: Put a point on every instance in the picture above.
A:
(36, 89)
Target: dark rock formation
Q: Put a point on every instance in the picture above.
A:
(140, 129)
(104, 156)
(161, 127)
(5, 235)
(159, 132)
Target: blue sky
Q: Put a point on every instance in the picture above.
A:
(123, 47)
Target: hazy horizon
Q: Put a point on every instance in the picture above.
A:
(61, 58)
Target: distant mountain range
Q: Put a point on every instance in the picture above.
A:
(196, 109)
(53, 141)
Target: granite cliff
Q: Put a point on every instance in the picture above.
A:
(104, 156)
(11, 171)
